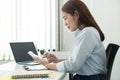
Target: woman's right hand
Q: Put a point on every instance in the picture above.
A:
(50, 57)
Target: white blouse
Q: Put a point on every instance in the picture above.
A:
(89, 57)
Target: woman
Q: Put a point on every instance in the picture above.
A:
(88, 61)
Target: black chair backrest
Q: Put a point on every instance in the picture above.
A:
(111, 51)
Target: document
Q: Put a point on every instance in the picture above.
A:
(34, 67)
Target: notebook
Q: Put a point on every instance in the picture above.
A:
(32, 74)
(20, 52)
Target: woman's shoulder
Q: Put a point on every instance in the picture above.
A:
(91, 31)
(90, 28)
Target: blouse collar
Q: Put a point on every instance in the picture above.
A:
(76, 32)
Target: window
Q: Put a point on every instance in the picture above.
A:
(26, 20)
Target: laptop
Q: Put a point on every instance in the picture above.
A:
(20, 52)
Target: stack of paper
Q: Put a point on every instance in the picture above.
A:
(35, 67)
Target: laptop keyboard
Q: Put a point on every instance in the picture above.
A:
(28, 63)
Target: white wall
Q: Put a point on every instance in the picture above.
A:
(107, 15)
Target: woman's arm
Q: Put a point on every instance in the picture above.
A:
(59, 60)
(51, 66)
(52, 58)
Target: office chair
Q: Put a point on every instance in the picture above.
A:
(111, 51)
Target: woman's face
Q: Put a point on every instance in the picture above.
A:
(71, 21)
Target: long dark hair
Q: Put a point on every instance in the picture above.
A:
(85, 17)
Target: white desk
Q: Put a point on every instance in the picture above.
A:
(7, 69)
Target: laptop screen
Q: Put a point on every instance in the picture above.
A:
(20, 50)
